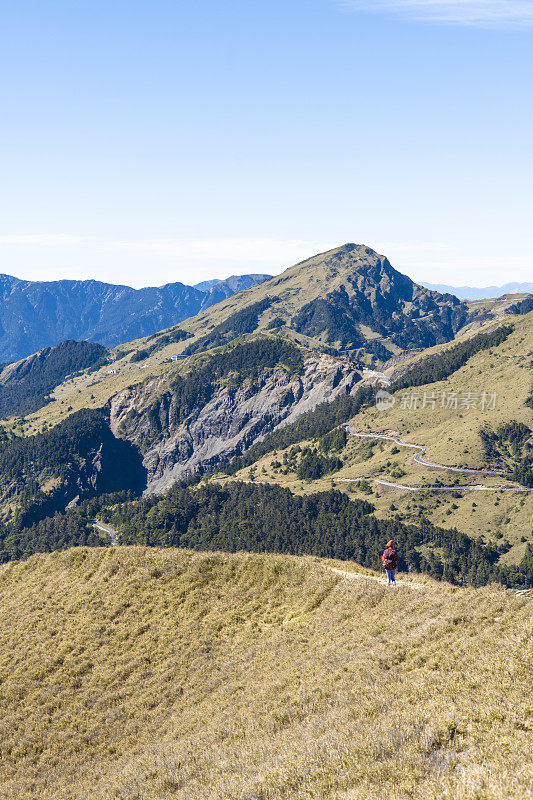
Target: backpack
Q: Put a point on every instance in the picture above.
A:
(389, 558)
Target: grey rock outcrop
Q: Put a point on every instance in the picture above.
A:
(232, 420)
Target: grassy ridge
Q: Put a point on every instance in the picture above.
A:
(261, 518)
(141, 673)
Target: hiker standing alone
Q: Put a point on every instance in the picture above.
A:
(390, 562)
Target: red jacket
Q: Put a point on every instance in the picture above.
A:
(390, 558)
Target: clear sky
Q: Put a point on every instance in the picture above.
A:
(147, 141)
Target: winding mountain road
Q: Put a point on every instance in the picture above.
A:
(419, 460)
(418, 457)
(106, 529)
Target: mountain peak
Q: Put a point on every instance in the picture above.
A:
(350, 263)
(349, 298)
(350, 247)
(349, 250)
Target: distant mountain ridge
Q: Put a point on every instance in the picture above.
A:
(37, 314)
(235, 283)
(477, 293)
(219, 290)
(25, 385)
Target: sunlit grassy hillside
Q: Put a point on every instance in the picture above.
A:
(452, 435)
(140, 673)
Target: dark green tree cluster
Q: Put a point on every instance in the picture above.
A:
(523, 306)
(334, 317)
(313, 465)
(330, 315)
(243, 321)
(51, 452)
(159, 341)
(323, 419)
(289, 462)
(170, 336)
(439, 366)
(520, 574)
(58, 531)
(334, 441)
(262, 518)
(53, 533)
(510, 445)
(141, 355)
(29, 384)
(275, 324)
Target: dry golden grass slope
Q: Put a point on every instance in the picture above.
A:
(138, 674)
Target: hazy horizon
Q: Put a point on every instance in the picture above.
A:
(210, 278)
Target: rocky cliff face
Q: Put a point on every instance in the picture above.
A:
(232, 420)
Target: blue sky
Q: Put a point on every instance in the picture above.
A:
(146, 142)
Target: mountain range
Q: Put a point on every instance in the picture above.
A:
(223, 491)
(481, 293)
(37, 314)
(275, 364)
